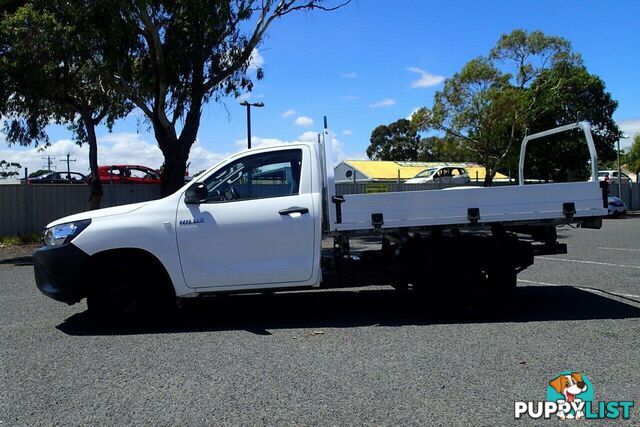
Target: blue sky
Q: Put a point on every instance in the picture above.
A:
(374, 62)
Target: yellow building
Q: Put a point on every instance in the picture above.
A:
(382, 170)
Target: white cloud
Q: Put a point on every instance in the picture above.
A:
(350, 75)
(256, 61)
(383, 103)
(304, 121)
(244, 97)
(309, 136)
(426, 78)
(349, 97)
(339, 153)
(630, 127)
(132, 148)
(288, 113)
(347, 132)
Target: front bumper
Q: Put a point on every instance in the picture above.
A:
(58, 271)
(616, 209)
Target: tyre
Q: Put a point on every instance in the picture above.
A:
(122, 294)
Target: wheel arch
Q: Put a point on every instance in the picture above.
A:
(127, 256)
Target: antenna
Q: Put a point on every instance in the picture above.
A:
(49, 160)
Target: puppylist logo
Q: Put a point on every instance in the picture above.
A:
(570, 395)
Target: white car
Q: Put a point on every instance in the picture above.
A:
(612, 177)
(441, 175)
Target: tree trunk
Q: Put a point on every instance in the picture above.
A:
(176, 150)
(95, 197)
(175, 166)
(488, 176)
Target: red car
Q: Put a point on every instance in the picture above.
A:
(128, 174)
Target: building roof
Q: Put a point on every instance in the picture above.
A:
(388, 170)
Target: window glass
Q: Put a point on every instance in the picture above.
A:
(273, 174)
(143, 173)
(426, 173)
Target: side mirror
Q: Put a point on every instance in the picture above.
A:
(196, 194)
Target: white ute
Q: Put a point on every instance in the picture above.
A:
(256, 221)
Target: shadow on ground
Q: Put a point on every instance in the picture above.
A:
(21, 261)
(345, 309)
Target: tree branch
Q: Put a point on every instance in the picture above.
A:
(151, 35)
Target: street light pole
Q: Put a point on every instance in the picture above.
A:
(623, 136)
(249, 105)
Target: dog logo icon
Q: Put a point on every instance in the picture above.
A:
(572, 388)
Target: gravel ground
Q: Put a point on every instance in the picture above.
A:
(348, 357)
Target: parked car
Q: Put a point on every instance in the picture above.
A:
(442, 175)
(616, 206)
(57, 178)
(612, 177)
(128, 174)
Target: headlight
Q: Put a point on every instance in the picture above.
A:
(64, 233)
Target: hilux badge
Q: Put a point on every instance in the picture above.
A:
(191, 221)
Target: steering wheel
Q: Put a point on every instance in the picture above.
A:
(231, 193)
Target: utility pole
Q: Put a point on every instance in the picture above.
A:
(68, 161)
(49, 160)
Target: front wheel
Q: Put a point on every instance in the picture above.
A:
(125, 297)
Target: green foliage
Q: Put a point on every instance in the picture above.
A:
(562, 95)
(169, 58)
(23, 239)
(396, 141)
(9, 169)
(51, 63)
(437, 149)
(633, 156)
(84, 62)
(48, 59)
(488, 110)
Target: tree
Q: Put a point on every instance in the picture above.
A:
(9, 169)
(439, 149)
(633, 156)
(479, 107)
(489, 110)
(170, 58)
(561, 95)
(396, 141)
(48, 58)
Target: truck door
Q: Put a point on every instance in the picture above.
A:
(257, 226)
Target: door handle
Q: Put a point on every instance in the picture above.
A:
(294, 209)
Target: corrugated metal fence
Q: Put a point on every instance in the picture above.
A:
(29, 208)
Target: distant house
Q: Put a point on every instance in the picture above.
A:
(392, 171)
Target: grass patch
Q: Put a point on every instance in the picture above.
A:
(23, 239)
